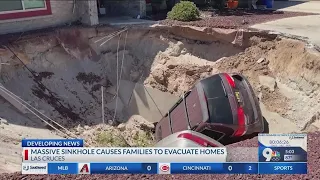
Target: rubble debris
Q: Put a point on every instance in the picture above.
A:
(3, 121)
(260, 60)
(268, 81)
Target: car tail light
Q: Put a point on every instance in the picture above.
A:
(197, 139)
(230, 80)
(241, 122)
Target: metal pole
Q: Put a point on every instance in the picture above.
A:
(102, 104)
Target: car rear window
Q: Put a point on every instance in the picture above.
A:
(220, 111)
(213, 87)
(218, 103)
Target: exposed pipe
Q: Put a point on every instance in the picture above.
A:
(117, 93)
(102, 104)
(113, 36)
(74, 6)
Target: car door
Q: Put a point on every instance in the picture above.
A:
(178, 116)
(194, 108)
(163, 128)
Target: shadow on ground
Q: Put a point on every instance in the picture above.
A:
(286, 3)
(244, 12)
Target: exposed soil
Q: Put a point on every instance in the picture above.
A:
(165, 58)
(240, 18)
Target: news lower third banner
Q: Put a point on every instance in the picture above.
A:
(40, 155)
(164, 168)
(65, 156)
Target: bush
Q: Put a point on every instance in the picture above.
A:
(184, 11)
(111, 139)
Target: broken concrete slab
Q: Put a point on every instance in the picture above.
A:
(125, 90)
(112, 90)
(150, 103)
(3, 121)
(268, 81)
(112, 105)
(12, 100)
(136, 99)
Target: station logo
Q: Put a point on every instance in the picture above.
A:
(271, 155)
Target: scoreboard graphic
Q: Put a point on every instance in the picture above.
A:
(283, 153)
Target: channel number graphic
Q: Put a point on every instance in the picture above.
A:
(271, 155)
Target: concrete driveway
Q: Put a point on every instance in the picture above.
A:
(307, 27)
(298, 6)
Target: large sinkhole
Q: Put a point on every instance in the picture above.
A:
(144, 70)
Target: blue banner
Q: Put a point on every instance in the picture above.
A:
(283, 168)
(52, 143)
(123, 168)
(240, 168)
(214, 168)
(62, 168)
(177, 168)
(174, 168)
(196, 168)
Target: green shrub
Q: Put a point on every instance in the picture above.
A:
(184, 11)
(143, 139)
(111, 139)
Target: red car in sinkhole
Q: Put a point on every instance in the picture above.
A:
(220, 106)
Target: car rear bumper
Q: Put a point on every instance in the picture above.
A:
(179, 139)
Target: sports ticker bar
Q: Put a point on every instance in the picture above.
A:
(165, 168)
